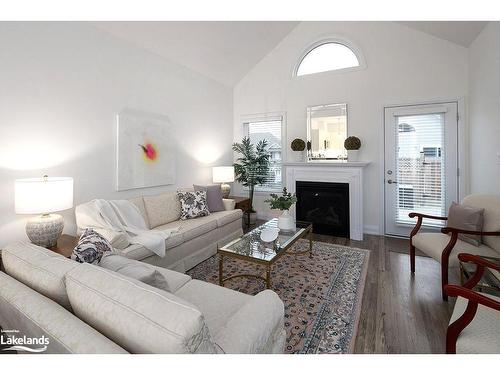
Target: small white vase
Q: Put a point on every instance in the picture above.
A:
(352, 155)
(285, 221)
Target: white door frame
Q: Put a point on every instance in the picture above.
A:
(463, 150)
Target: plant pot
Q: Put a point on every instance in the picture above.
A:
(352, 155)
(252, 216)
(286, 221)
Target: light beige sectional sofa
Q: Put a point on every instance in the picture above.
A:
(196, 240)
(84, 308)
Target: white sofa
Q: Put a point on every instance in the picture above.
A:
(83, 308)
(196, 240)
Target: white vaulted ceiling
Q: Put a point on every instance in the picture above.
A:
(459, 32)
(224, 51)
(227, 50)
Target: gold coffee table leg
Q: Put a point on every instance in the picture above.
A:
(221, 264)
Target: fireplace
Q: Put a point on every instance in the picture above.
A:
(326, 205)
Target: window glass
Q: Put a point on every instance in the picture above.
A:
(269, 130)
(327, 56)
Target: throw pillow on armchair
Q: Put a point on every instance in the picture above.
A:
(467, 218)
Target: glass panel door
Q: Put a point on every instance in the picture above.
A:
(421, 164)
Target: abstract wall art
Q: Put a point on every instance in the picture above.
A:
(145, 150)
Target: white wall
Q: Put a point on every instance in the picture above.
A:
(62, 85)
(403, 66)
(484, 54)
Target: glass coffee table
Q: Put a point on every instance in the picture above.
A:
(251, 248)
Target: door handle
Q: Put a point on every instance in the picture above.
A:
(391, 181)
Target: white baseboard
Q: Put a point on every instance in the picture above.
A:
(371, 229)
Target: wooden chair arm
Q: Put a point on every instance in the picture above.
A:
(471, 295)
(420, 218)
(470, 258)
(447, 230)
(425, 216)
(474, 298)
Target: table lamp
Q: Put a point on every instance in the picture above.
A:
(223, 175)
(44, 196)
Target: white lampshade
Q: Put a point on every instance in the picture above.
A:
(223, 174)
(43, 195)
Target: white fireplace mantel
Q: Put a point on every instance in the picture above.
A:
(342, 172)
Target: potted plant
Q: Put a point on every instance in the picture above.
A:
(251, 168)
(298, 146)
(352, 145)
(283, 203)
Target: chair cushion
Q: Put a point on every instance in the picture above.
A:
(466, 218)
(136, 316)
(226, 217)
(41, 269)
(433, 245)
(157, 277)
(193, 228)
(134, 269)
(162, 209)
(483, 333)
(491, 216)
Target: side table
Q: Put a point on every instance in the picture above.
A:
(243, 203)
(65, 245)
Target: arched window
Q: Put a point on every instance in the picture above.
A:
(326, 56)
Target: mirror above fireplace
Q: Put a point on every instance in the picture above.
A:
(327, 131)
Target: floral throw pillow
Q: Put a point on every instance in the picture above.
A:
(91, 247)
(193, 204)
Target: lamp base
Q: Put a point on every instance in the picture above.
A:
(44, 230)
(226, 189)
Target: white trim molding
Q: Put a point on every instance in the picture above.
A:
(350, 173)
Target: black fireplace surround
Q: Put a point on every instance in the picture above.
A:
(326, 205)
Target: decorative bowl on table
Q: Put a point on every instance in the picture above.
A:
(269, 234)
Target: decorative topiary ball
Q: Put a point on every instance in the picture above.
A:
(298, 145)
(352, 143)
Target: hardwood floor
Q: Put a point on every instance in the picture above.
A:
(400, 313)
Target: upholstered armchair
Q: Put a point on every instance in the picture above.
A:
(440, 245)
(475, 323)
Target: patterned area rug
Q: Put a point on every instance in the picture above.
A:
(322, 294)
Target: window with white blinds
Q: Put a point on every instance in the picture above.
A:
(420, 166)
(270, 130)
